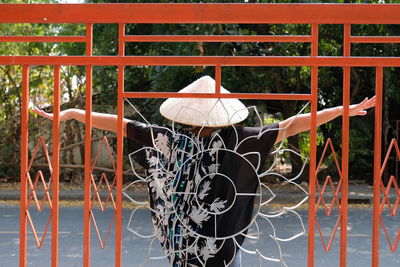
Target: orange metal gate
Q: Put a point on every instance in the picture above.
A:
(122, 14)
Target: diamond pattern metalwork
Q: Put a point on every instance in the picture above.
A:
(386, 200)
(328, 207)
(32, 191)
(97, 188)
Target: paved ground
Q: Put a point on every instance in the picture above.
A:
(135, 249)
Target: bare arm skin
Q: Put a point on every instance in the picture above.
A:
(108, 122)
(302, 123)
(293, 125)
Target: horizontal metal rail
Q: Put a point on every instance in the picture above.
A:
(44, 39)
(217, 38)
(217, 95)
(201, 61)
(201, 13)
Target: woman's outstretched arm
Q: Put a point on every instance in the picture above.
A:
(302, 123)
(103, 121)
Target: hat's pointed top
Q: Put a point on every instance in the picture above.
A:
(209, 112)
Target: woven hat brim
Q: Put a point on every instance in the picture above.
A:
(209, 112)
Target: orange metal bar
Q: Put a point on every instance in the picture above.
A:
(204, 95)
(24, 165)
(217, 38)
(375, 39)
(55, 166)
(347, 40)
(345, 148)
(201, 13)
(313, 148)
(218, 79)
(377, 165)
(345, 166)
(201, 61)
(120, 149)
(43, 39)
(88, 149)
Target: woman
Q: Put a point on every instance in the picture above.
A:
(203, 183)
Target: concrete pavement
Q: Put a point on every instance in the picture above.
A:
(135, 249)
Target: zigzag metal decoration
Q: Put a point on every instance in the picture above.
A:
(334, 202)
(386, 201)
(33, 187)
(109, 189)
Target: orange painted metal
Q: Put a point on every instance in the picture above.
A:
(217, 80)
(56, 167)
(201, 61)
(345, 147)
(24, 165)
(201, 13)
(88, 149)
(377, 165)
(345, 165)
(216, 95)
(393, 207)
(328, 208)
(120, 147)
(313, 147)
(216, 38)
(109, 188)
(44, 39)
(32, 186)
(375, 39)
(314, 14)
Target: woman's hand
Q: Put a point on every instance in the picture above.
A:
(64, 115)
(301, 123)
(360, 109)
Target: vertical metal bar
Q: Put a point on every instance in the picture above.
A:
(313, 147)
(218, 79)
(345, 149)
(377, 165)
(346, 40)
(120, 140)
(56, 169)
(345, 166)
(24, 165)
(88, 150)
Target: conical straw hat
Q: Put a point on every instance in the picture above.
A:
(209, 112)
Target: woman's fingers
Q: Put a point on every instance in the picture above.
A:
(372, 102)
(42, 113)
(360, 109)
(63, 114)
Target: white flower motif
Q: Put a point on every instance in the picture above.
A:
(213, 168)
(161, 142)
(209, 249)
(181, 175)
(217, 205)
(204, 189)
(153, 161)
(199, 216)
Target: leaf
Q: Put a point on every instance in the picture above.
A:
(218, 205)
(204, 189)
(198, 216)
